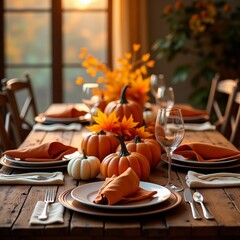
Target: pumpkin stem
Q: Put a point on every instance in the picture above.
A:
(123, 98)
(84, 154)
(101, 133)
(123, 151)
(137, 139)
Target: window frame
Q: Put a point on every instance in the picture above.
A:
(57, 65)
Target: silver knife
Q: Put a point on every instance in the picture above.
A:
(188, 198)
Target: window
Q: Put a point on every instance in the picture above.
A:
(44, 37)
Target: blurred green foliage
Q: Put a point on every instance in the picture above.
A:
(207, 30)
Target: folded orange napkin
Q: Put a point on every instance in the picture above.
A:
(188, 111)
(43, 153)
(65, 112)
(124, 188)
(206, 152)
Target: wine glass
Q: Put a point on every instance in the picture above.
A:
(157, 83)
(90, 96)
(169, 132)
(165, 97)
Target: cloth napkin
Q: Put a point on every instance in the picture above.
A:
(124, 188)
(57, 179)
(46, 152)
(222, 179)
(66, 111)
(206, 152)
(57, 127)
(188, 111)
(55, 213)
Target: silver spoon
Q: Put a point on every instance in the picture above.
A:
(198, 197)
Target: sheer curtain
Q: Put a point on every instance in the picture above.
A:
(129, 23)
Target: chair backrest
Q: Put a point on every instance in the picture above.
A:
(221, 88)
(231, 127)
(6, 125)
(22, 104)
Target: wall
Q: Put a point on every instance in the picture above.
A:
(157, 29)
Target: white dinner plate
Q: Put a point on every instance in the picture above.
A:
(36, 164)
(86, 193)
(66, 199)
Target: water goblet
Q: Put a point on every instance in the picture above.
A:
(90, 96)
(165, 98)
(157, 84)
(169, 132)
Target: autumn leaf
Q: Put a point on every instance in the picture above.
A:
(126, 125)
(136, 47)
(146, 57)
(141, 132)
(106, 123)
(79, 80)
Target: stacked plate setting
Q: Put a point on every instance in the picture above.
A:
(21, 164)
(180, 161)
(81, 198)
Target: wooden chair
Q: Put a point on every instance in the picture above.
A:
(221, 90)
(7, 130)
(22, 104)
(231, 127)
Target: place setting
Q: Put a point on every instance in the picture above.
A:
(114, 197)
(64, 117)
(49, 155)
(201, 156)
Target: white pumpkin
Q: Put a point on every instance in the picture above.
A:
(84, 167)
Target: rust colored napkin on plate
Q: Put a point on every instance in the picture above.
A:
(188, 111)
(206, 152)
(46, 152)
(65, 112)
(124, 188)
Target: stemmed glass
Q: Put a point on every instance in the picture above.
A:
(169, 132)
(90, 96)
(164, 96)
(165, 99)
(157, 83)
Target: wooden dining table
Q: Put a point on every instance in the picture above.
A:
(17, 203)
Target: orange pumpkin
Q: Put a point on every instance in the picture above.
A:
(99, 144)
(118, 162)
(125, 108)
(150, 148)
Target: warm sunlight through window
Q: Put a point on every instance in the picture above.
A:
(84, 4)
(44, 38)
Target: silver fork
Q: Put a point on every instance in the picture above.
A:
(49, 198)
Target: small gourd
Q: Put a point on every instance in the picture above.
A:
(150, 148)
(99, 144)
(125, 108)
(84, 167)
(118, 162)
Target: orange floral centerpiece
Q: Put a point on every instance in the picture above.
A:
(104, 131)
(125, 90)
(132, 71)
(126, 128)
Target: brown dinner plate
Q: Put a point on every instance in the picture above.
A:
(7, 163)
